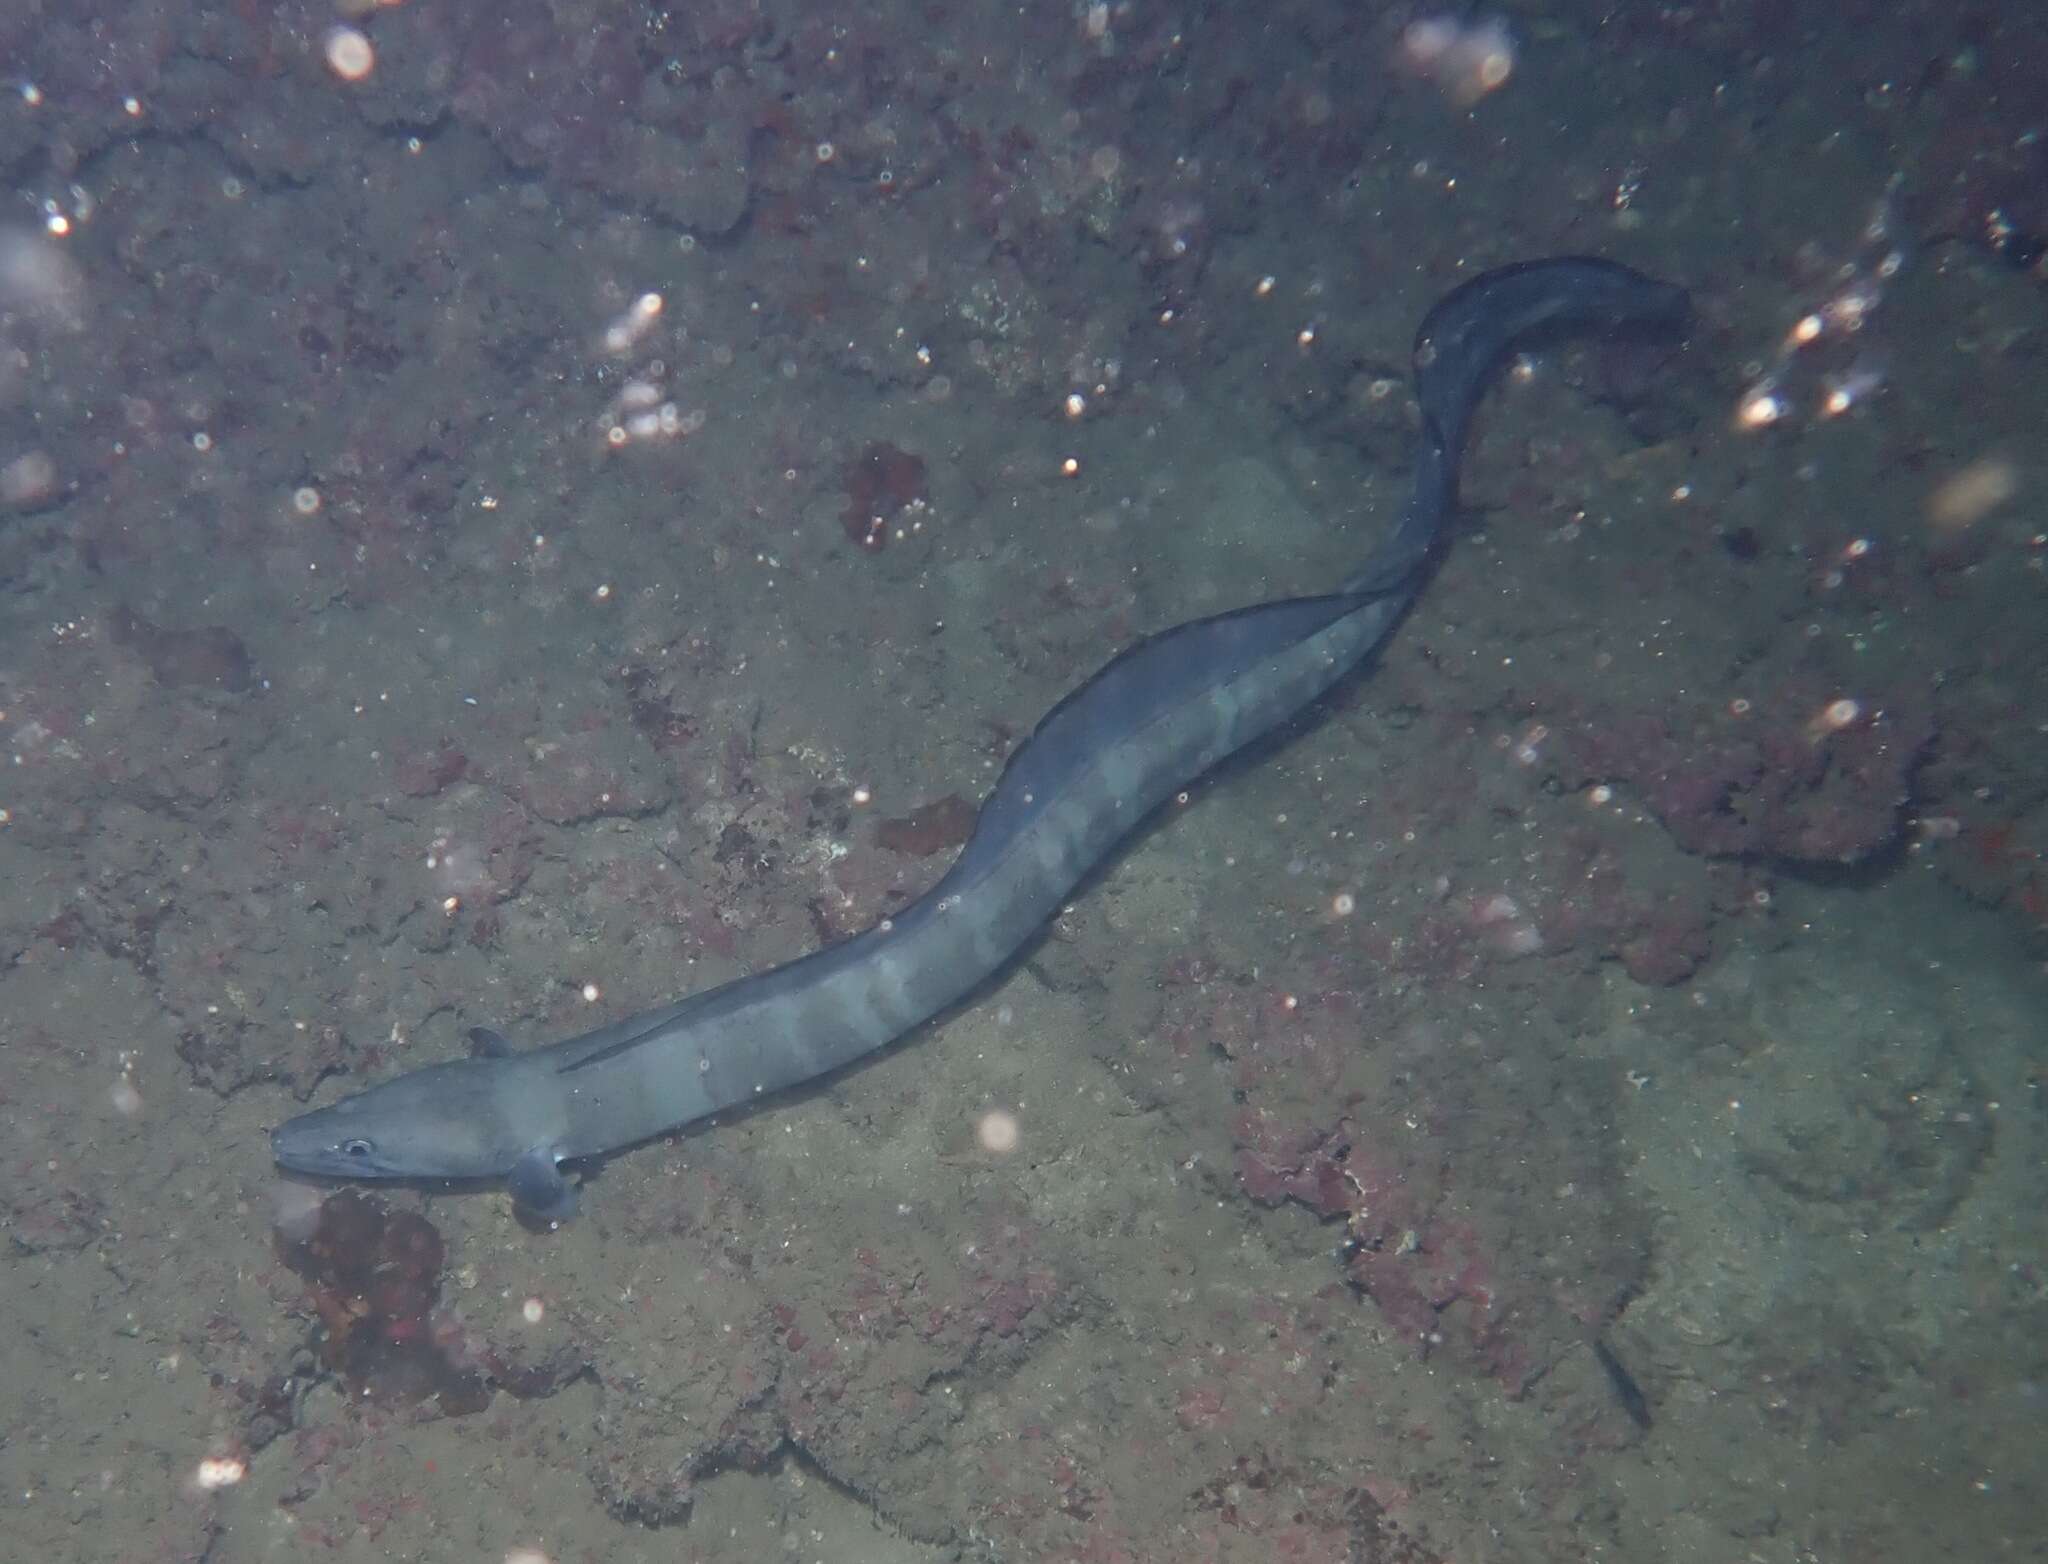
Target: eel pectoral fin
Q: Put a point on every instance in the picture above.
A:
(538, 1187)
(484, 1043)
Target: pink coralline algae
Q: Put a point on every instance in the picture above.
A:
(1416, 1265)
(1789, 788)
(373, 1283)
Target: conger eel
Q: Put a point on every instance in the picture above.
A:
(1159, 715)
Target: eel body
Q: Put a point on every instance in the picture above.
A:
(1155, 718)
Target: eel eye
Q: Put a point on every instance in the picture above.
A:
(357, 1149)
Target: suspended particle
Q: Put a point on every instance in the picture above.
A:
(349, 54)
(1806, 330)
(1488, 56)
(1425, 42)
(1761, 406)
(28, 481)
(624, 333)
(1465, 63)
(39, 281)
(1967, 497)
(1834, 717)
(1851, 308)
(998, 1132)
(1840, 393)
(220, 1471)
